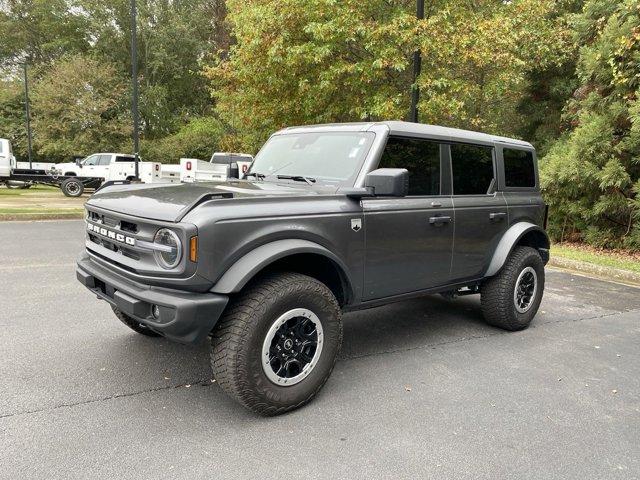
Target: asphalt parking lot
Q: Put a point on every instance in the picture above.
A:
(423, 388)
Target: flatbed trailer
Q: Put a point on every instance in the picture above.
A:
(71, 186)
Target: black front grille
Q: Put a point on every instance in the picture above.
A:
(128, 226)
(112, 222)
(114, 247)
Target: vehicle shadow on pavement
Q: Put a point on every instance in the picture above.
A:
(406, 325)
(398, 326)
(410, 324)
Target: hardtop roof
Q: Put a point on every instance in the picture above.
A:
(397, 127)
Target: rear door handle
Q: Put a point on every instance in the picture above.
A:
(439, 220)
(497, 216)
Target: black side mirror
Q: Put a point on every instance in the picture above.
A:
(391, 182)
(78, 160)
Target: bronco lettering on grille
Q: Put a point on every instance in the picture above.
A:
(118, 237)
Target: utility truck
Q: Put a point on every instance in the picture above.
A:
(109, 166)
(221, 166)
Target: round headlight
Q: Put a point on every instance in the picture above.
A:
(169, 251)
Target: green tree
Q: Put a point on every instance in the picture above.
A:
(197, 139)
(80, 106)
(320, 60)
(174, 39)
(591, 176)
(12, 117)
(549, 87)
(40, 31)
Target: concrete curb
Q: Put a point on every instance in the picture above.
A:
(598, 271)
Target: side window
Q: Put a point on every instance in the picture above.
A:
(472, 168)
(420, 157)
(124, 159)
(518, 168)
(105, 160)
(92, 160)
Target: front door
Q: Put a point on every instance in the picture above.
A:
(409, 240)
(89, 166)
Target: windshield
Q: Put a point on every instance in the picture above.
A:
(325, 157)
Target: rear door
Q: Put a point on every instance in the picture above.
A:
(104, 164)
(481, 212)
(409, 239)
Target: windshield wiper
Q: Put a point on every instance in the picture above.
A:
(297, 178)
(259, 176)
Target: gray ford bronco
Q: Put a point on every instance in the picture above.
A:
(328, 219)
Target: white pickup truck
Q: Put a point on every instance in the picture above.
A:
(111, 166)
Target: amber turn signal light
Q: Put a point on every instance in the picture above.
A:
(193, 249)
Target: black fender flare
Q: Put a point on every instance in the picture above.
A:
(244, 269)
(509, 240)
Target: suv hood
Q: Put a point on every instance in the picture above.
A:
(171, 202)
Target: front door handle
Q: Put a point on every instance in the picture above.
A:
(439, 220)
(497, 216)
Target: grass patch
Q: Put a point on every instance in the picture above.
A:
(38, 210)
(615, 259)
(10, 214)
(16, 192)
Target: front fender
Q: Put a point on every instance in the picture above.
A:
(509, 240)
(243, 270)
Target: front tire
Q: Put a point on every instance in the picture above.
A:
(510, 299)
(277, 343)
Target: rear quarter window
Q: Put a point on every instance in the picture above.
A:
(519, 170)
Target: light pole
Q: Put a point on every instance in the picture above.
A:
(26, 112)
(134, 84)
(417, 64)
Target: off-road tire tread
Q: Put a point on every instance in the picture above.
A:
(134, 324)
(227, 362)
(496, 293)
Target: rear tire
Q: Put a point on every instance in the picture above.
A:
(17, 185)
(258, 352)
(72, 187)
(133, 324)
(510, 299)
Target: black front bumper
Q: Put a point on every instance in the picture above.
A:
(185, 317)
